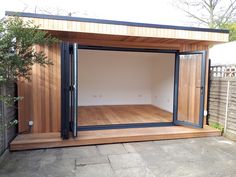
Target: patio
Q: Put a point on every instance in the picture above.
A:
(212, 156)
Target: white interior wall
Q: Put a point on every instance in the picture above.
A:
(162, 88)
(113, 78)
(122, 78)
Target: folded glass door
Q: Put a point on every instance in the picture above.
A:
(74, 89)
(69, 89)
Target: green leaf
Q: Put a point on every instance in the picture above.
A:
(17, 53)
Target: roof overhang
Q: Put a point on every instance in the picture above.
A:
(90, 31)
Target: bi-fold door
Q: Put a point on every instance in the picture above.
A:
(69, 92)
(189, 89)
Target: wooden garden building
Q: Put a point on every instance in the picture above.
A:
(115, 81)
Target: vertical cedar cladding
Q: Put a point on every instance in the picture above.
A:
(41, 95)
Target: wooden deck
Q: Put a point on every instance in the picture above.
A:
(51, 140)
(122, 114)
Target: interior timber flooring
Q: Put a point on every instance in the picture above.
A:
(121, 114)
(50, 140)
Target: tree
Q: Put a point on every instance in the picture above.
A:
(17, 53)
(211, 13)
(232, 28)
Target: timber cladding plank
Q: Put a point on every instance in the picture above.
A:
(41, 95)
(50, 140)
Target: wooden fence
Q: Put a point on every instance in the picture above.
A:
(7, 116)
(222, 98)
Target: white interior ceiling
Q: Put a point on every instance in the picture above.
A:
(124, 78)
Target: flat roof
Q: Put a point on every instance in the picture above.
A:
(114, 22)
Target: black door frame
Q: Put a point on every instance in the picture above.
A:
(132, 125)
(65, 103)
(65, 90)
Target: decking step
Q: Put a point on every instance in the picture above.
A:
(50, 140)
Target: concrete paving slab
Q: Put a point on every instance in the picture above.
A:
(110, 149)
(81, 161)
(140, 146)
(135, 172)
(196, 157)
(97, 170)
(126, 161)
(193, 169)
(83, 151)
(53, 168)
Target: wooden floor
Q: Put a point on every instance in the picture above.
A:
(122, 114)
(50, 140)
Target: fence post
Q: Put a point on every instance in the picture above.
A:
(226, 106)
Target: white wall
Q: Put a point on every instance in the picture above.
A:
(163, 82)
(223, 54)
(121, 78)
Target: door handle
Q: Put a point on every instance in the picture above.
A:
(201, 87)
(72, 87)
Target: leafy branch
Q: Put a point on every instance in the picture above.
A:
(18, 53)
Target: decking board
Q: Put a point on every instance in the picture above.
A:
(51, 140)
(122, 114)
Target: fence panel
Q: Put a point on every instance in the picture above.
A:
(231, 120)
(222, 98)
(7, 115)
(217, 101)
